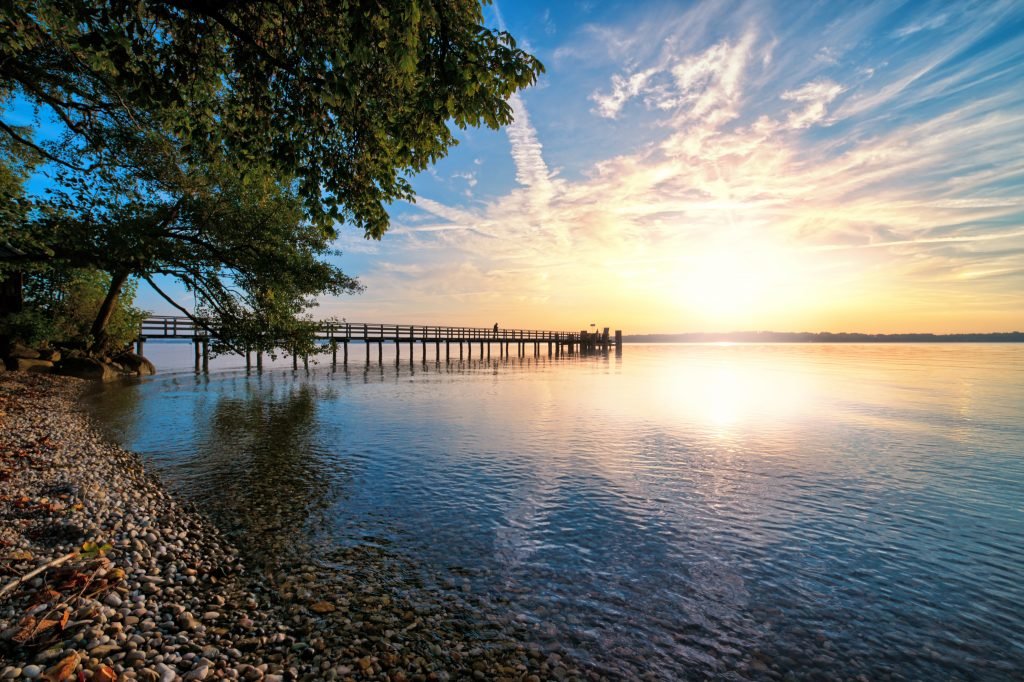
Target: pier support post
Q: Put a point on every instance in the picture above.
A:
(447, 351)
(618, 342)
(206, 356)
(345, 352)
(195, 344)
(248, 358)
(367, 344)
(138, 345)
(437, 351)
(259, 361)
(460, 351)
(398, 351)
(334, 354)
(380, 353)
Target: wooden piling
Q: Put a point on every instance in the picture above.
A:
(344, 345)
(206, 356)
(259, 361)
(195, 344)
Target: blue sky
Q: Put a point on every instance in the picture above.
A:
(700, 166)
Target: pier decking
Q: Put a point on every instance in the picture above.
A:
(341, 334)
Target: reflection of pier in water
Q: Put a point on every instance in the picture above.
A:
(341, 334)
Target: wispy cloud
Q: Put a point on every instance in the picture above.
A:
(771, 186)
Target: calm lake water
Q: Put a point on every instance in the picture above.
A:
(682, 511)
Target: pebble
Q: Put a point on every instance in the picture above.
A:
(286, 620)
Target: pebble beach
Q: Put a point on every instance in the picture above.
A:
(150, 589)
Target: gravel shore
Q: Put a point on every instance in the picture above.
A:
(155, 592)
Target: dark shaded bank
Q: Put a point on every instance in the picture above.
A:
(171, 598)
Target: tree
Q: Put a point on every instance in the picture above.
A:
(327, 107)
(61, 306)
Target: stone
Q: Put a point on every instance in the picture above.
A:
(136, 364)
(51, 354)
(31, 671)
(323, 607)
(86, 368)
(28, 365)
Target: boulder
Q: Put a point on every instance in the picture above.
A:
(51, 354)
(87, 368)
(29, 365)
(136, 364)
(18, 350)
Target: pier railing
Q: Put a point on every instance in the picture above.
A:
(169, 327)
(343, 333)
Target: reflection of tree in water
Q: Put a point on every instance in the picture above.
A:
(261, 473)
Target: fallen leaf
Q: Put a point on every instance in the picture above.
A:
(63, 670)
(28, 626)
(104, 673)
(19, 555)
(64, 619)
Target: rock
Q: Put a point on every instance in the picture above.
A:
(51, 354)
(323, 607)
(19, 350)
(135, 363)
(86, 368)
(31, 671)
(113, 599)
(28, 365)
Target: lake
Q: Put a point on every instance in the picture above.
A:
(679, 512)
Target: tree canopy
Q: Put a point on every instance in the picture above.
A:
(221, 142)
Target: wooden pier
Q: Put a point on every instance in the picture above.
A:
(337, 336)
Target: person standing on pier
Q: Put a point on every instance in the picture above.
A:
(495, 328)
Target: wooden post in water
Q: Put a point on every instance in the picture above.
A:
(206, 355)
(138, 345)
(248, 358)
(380, 353)
(334, 354)
(447, 350)
(366, 342)
(345, 351)
(195, 343)
(618, 342)
(398, 348)
(259, 361)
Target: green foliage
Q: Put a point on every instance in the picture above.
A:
(347, 98)
(61, 306)
(221, 143)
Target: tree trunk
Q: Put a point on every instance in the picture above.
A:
(99, 326)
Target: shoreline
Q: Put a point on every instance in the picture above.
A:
(173, 597)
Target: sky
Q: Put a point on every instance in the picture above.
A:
(722, 166)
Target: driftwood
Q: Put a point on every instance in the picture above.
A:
(33, 573)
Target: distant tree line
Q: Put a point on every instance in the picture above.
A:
(222, 144)
(823, 337)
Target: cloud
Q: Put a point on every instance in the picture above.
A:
(695, 86)
(748, 163)
(926, 25)
(815, 97)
